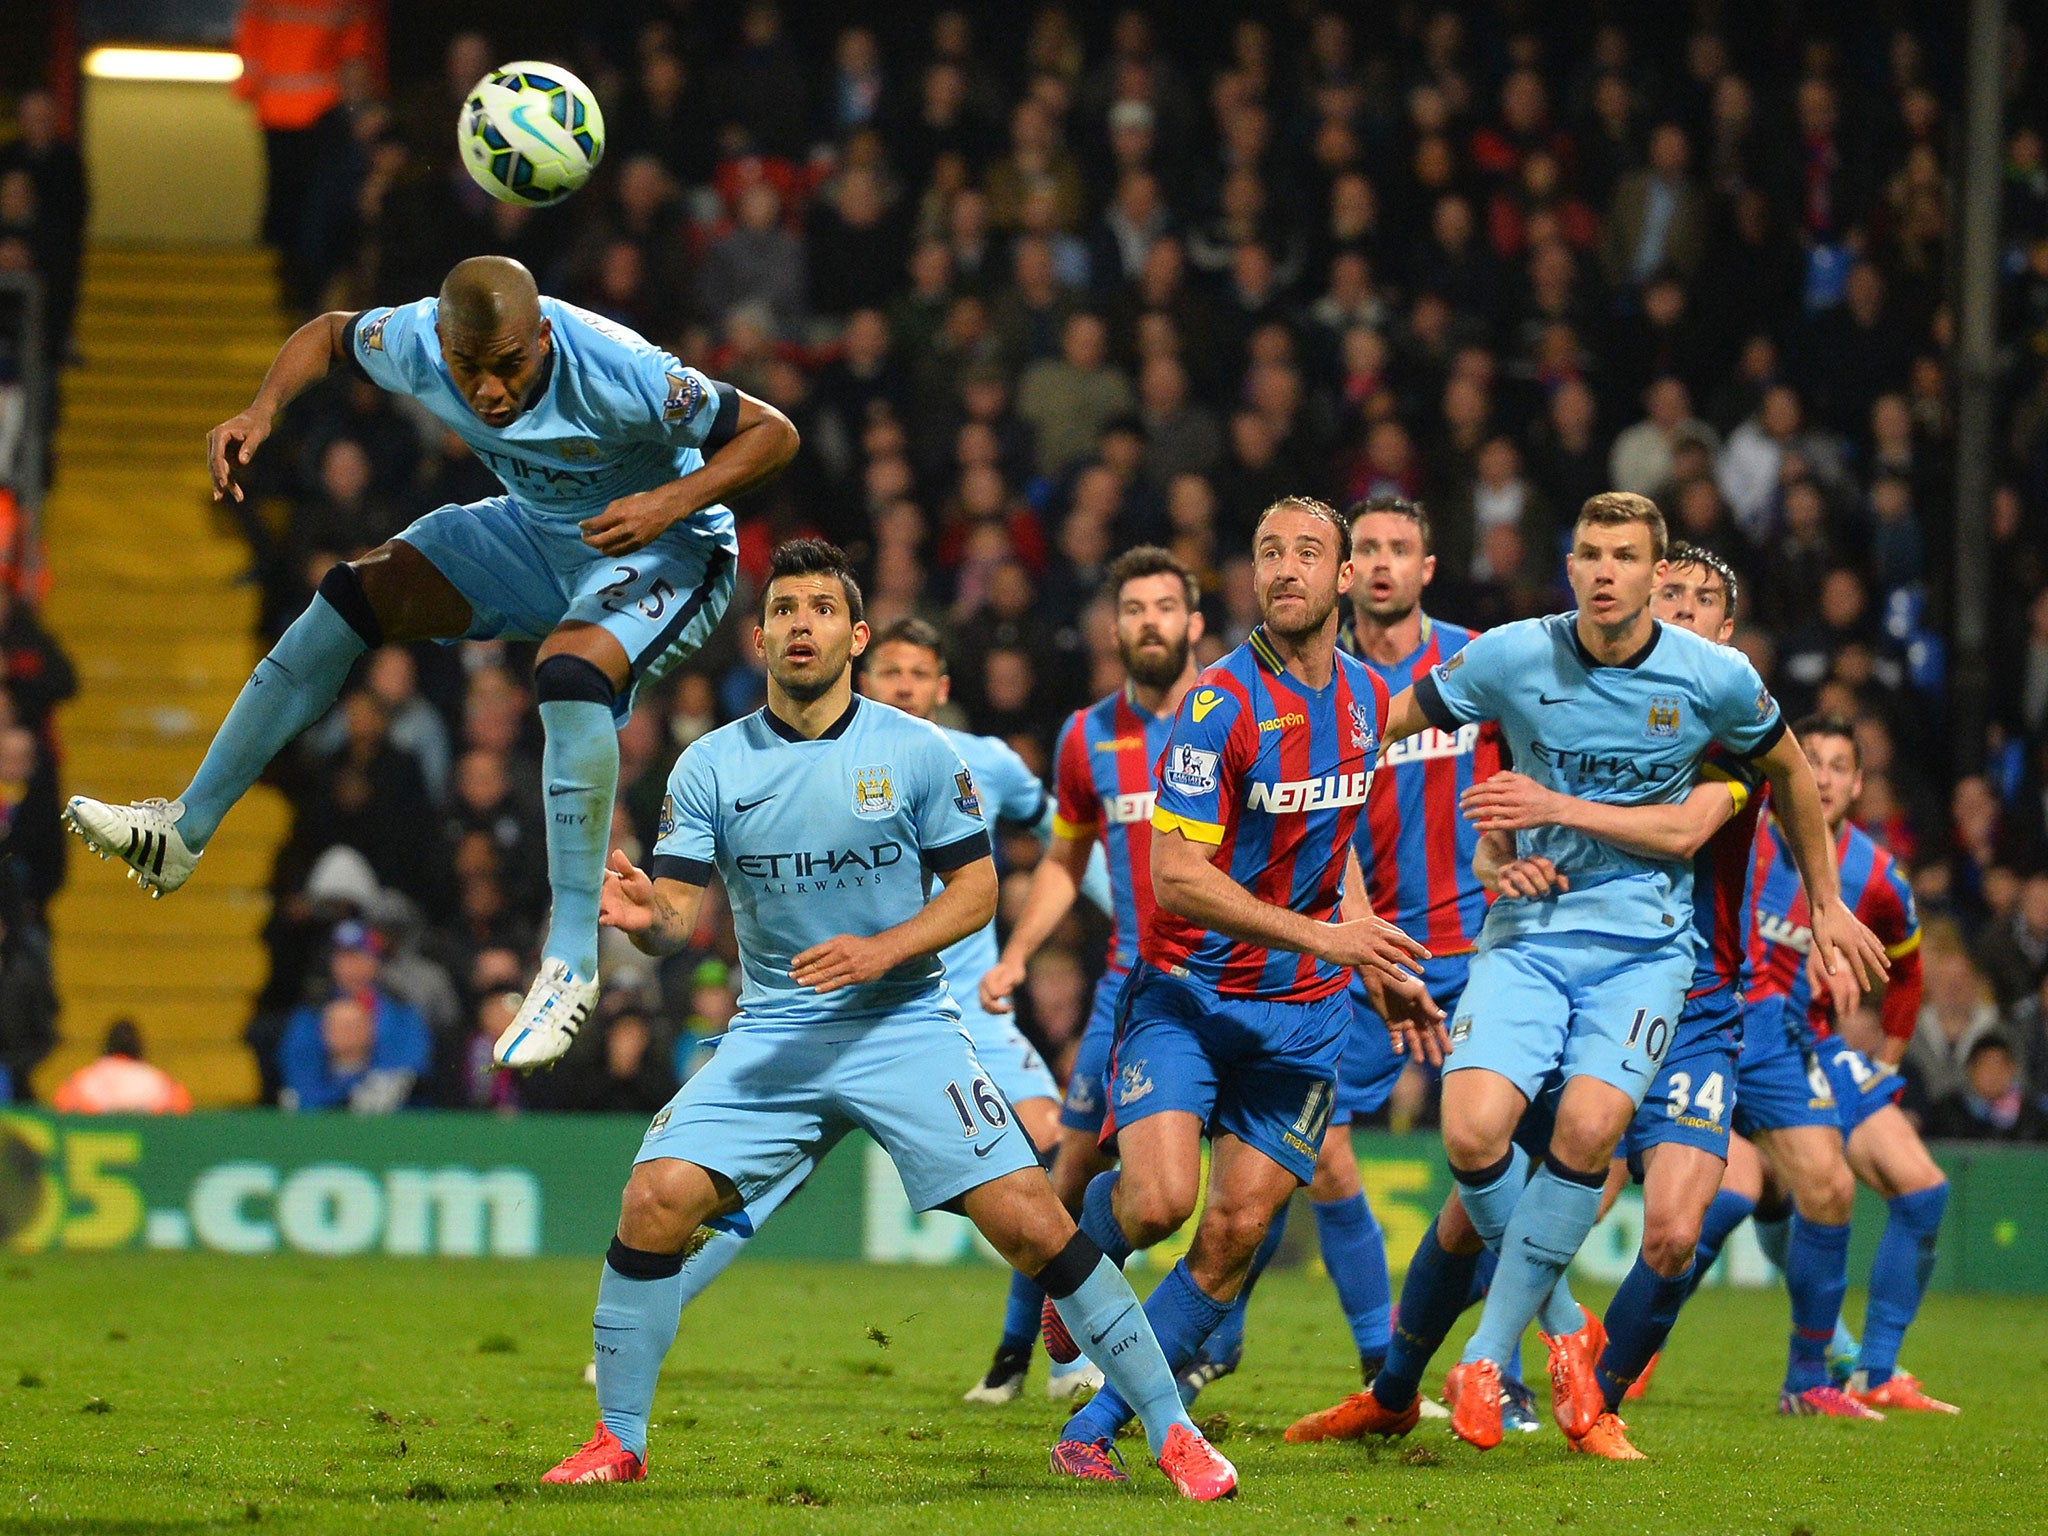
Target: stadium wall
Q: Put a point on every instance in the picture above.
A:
(457, 1185)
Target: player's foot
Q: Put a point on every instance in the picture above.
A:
(1472, 1391)
(1203, 1371)
(1608, 1438)
(602, 1460)
(1901, 1392)
(1195, 1467)
(1432, 1409)
(1359, 1415)
(590, 1374)
(1641, 1384)
(1575, 1400)
(1004, 1382)
(1078, 1378)
(557, 1005)
(1052, 1329)
(1093, 1461)
(143, 835)
(1829, 1402)
(1518, 1414)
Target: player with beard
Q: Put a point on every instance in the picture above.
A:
(1232, 1022)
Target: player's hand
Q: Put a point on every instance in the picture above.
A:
(1839, 986)
(1415, 1024)
(231, 445)
(626, 899)
(1530, 879)
(998, 982)
(630, 523)
(1373, 943)
(845, 961)
(1840, 939)
(1509, 802)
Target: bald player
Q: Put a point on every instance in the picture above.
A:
(611, 547)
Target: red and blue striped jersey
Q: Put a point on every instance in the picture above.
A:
(1415, 849)
(1102, 786)
(1271, 775)
(1721, 871)
(1781, 932)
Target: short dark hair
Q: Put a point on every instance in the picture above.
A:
(1313, 508)
(1150, 560)
(814, 557)
(1400, 506)
(1830, 725)
(1611, 509)
(912, 630)
(1683, 553)
(124, 1039)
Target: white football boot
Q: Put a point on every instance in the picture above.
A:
(1077, 1378)
(557, 1005)
(144, 836)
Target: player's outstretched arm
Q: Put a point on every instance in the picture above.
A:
(1187, 884)
(300, 363)
(964, 906)
(762, 442)
(1054, 885)
(1503, 874)
(1838, 935)
(1513, 802)
(1404, 718)
(657, 915)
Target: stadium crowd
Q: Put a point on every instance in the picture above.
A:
(1030, 305)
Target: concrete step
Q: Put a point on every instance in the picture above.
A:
(202, 911)
(216, 964)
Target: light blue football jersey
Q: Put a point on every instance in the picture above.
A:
(1011, 792)
(616, 415)
(847, 833)
(1628, 734)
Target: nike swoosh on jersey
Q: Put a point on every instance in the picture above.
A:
(1204, 702)
(1544, 698)
(741, 807)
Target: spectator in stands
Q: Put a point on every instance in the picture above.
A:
(36, 672)
(1993, 1103)
(28, 1002)
(120, 1082)
(33, 848)
(358, 1046)
(1956, 1013)
(2013, 952)
(1640, 460)
(627, 1069)
(1067, 400)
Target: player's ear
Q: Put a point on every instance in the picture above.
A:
(1428, 569)
(945, 687)
(860, 636)
(545, 336)
(1197, 627)
(760, 642)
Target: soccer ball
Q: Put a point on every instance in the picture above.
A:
(530, 133)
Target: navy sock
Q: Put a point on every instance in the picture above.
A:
(1728, 1211)
(1021, 1311)
(1181, 1316)
(1898, 1279)
(1098, 1219)
(1355, 1253)
(1774, 1236)
(1817, 1276)
(291, 688)
(1227, 1341)
(1639, 1320)
(1434, 1294)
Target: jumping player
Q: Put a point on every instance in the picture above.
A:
(831, 820)
(1234, 1019)
(611, 547)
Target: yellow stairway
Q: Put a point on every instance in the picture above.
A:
(144, 595)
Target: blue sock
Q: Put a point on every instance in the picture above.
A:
(291, 688)
(1021, 1311)
(1728, 1211)
(1549, 1224)
(633, 1327)
(1170, 1327)
(1898, 1279)
(1511, 1368)
(1774, 1237)
(1434, 1294)
(1355, 1253)
(1226, 1342)
(1639, 1320)
(1490, 1194)
(1098, 1220)
(1482, 1282)
(1817, 1276)
(710, 1261)
(581, 766)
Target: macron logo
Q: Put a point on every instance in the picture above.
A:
(1321, 794)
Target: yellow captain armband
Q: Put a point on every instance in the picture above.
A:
(1194, 831)
(1905, 946)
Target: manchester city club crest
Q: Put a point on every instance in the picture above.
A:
(1663, 721)
(874, 792)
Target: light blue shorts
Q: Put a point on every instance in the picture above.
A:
(1579, 1004)
(523, 575)
(1692, 1102)
(1087, 1097)
(775, 1098)
(1013, 1062)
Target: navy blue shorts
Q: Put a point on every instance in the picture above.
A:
(1087, 1095)
(1369, 1069)
(1860, 1089)
(1779, 1085)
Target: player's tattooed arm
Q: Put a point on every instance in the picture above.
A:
(964, 906)
(1054, 885)
(1839, 936)
(301, 362)
(1513, 802)
(763, 441)
(657, 915)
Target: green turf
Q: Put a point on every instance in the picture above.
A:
(152, 1393)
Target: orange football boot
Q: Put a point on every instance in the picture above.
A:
(1608, 1438)
(602, 1460)
(1359, 1415)
(1901, 1392)
(1195, 1467)
(1575, 1396)
(1473, 1392)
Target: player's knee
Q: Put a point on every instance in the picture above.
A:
(1336, 1169)
(1470, 1145)
(1151, 1211)
(343, 590)
(1829, 1196)
(653, 1212)
(563, 677)
(1234, 1232)
(1669, 1239)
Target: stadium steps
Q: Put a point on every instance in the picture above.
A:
(149, 594)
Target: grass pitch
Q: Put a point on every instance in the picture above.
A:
(171, 1393)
